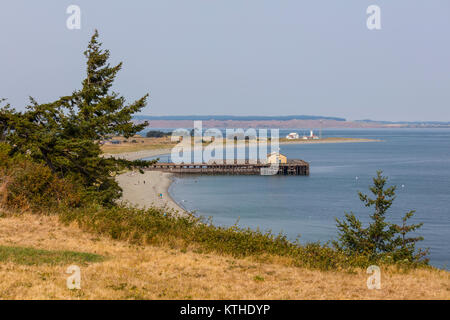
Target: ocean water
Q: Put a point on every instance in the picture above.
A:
(416, 160)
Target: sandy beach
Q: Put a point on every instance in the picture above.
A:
(145, 190)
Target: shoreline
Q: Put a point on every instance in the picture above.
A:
(143, 190)
(150, 189)
(136, 155)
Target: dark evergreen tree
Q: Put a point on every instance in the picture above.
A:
(6, 114)
(381, 239)
(65, 134)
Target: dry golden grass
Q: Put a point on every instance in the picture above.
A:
(137, 272)
(140, 144)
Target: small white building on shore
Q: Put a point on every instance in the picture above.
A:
(293, 136)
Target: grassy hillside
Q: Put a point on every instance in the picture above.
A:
(159, 272)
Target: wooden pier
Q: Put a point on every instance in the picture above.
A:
(292, 167)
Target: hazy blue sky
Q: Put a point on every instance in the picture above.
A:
(241, 57)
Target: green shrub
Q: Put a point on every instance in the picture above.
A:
(154, 226)
(29, 185)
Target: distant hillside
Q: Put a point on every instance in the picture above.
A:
(424, 123)
(285, 122)
(237, 118)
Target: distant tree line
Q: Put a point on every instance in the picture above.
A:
(157, 134)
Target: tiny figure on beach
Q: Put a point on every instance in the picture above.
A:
(160, 196)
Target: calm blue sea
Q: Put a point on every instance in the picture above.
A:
(416, 160)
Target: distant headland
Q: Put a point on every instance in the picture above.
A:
(287, 122)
